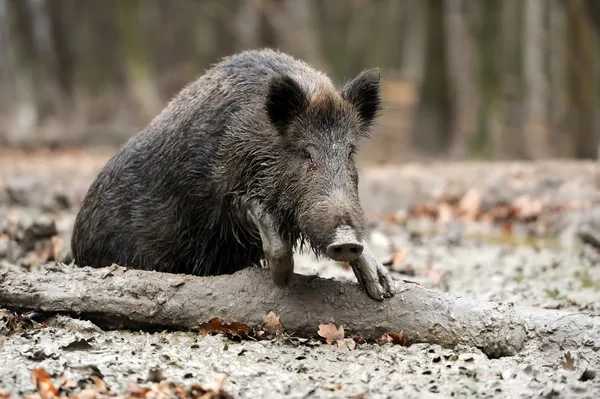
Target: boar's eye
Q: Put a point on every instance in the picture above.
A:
(306, 155)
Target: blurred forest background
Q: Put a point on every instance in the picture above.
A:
(494, 79)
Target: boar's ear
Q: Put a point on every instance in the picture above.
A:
(285, 101)
(363, 93)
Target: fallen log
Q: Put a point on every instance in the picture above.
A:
(117, 297)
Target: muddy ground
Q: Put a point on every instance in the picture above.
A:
(500, 232)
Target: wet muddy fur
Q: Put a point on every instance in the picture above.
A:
(260, 138)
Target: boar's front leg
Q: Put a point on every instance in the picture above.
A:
(372, 275)
(278, 252)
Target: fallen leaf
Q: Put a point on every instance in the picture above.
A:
(108, 271)
(42, 382)
(426, 210)
(57, 246)
(332, 387)
(346, 343)
(330, 332)
(470, 204)
(384, 339)
(216, 325)
(394, 338)
(272, 324)
(445, 212)
(398, 338)
(100, 384)
(569, 362)
(527, 207)
(359, 340)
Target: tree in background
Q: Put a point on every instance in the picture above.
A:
(462, 78)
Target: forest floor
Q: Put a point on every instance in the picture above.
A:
(490, 231)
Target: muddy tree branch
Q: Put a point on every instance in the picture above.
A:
(117, 297)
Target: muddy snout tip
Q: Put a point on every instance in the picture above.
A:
(345, 247)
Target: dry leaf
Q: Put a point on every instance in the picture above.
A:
(359, 340)
(42, 382)
(100, 384)
(394, 338)
(216, 325)
(569, 362)
(470, 204)
(346, 343)
(272, 324)
(57, 246)
(527, 207)
(330, 332)
(426, 210)
(445, 212)
(398, 338)
(108, 271)
(332, 387)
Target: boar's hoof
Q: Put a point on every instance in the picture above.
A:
(372, 275)
(345, 246)
(282, 269)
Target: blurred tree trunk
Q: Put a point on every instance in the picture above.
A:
(582, 84)
(430, 129)
(557, 101)
(388, 22)
(510, 142)
(224, 26)
(297, 28)
(134, 53)
(492, 105)
(26, 103)
(99, 65)
(462, 68)
(537, 133)
(267, 9)
(361, 41)
(333, 22)
(288, 25)
(592, 9)
(414, 40)
(63, 56)
(45, 62)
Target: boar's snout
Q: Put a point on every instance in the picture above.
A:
(346, 246)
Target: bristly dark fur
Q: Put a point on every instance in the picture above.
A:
(258, 125)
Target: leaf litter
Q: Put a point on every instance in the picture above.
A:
(471, 203)
(68, 390)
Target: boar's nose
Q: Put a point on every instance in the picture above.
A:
(345, 246)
